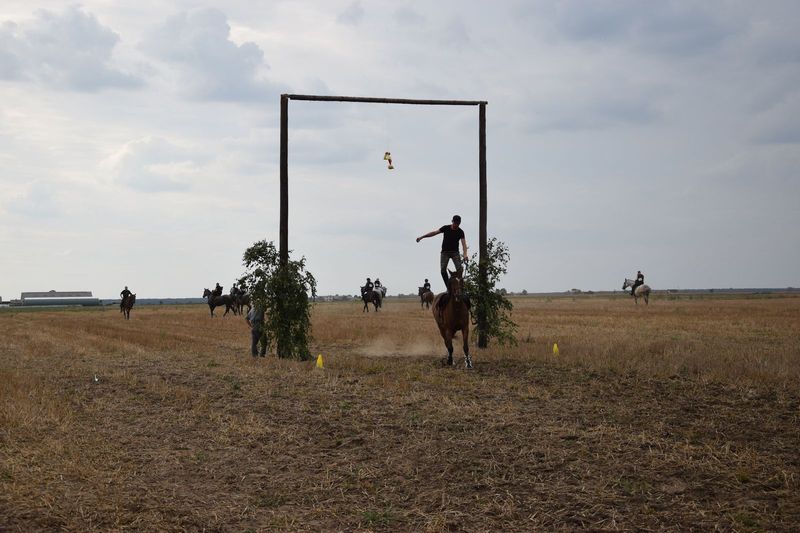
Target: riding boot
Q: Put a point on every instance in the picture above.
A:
(445, 278)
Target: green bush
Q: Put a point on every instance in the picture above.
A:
(485, 298)
(285, 294)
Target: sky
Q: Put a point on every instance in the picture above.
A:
(139, 141)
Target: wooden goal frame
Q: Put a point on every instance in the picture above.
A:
(284, 170)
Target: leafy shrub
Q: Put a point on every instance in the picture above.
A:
(284, 292)
(485, 298)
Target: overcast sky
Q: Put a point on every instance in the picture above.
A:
(139, 141)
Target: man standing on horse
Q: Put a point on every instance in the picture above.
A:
(124, 295)
(639, 281)
(452, 234)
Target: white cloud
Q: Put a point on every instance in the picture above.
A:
(152, 164)
(669, 27)
(66, 50)
(210, 65)
(352, 15)
(408, 16)
(36, 201)
(781, 123)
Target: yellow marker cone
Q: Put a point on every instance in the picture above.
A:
(555, 349)
(319, 361)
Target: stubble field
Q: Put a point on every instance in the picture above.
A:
(683, 415)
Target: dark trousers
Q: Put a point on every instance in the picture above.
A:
(444, 260)
(255, 334)
(635, 285)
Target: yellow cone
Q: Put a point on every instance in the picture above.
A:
(319, 361)
(555, 349)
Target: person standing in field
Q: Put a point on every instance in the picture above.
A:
(452, 235)
(255, 319)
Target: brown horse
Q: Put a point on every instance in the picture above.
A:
(425, 297)
(218, 301)
(370, 297)
(453, 316)
(126, 305)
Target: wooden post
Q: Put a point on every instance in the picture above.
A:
(482, 253)
(284, 164)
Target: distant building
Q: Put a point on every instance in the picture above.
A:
(53, 297)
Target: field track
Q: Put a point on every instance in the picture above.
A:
(683, 415)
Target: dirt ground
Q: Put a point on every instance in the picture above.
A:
(683, 415)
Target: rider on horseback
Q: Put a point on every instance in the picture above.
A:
(451, 235)
(639, 281)
(124, 295)
(426, 286)
(217, 290)
(367, 286)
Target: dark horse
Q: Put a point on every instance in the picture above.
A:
(453, 316)
(425, 297)
(218, 301)
(126, 305)
(240, 301)
(370, 296)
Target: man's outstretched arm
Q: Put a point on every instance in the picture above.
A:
(429, 234)
(464, 246)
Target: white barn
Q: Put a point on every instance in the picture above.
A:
(53, 297)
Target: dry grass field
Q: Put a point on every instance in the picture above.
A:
(683, 415)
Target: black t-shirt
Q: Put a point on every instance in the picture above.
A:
(451, 238)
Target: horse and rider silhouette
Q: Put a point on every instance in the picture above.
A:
(126, 305)
(638, 288)
(425, 297)
(451, 312)
(371, 296)
(218, 300)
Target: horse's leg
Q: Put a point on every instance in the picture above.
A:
(465, 338)
(211, 308)
(448, 342)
